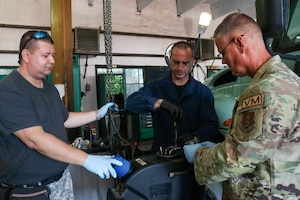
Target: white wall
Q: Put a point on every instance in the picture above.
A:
(159, 18)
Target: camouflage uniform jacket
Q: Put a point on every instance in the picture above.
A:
(260, 157)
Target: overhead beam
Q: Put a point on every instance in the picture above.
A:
(185, 5)
(141, 4)
(223, 7)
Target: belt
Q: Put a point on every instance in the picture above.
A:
(40, 183)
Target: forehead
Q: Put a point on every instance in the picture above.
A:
(44, 46)
(182, 52)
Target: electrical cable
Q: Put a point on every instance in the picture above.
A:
(85, 66)
(115, 132)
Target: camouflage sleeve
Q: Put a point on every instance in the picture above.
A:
(221, 162)
(261, 123)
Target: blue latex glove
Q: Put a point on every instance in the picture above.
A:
(189, 150)
(103, 110)
(102, 165)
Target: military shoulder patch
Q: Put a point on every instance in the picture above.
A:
(248, 121)
(252, 101)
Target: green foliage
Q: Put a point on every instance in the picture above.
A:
(117, 84)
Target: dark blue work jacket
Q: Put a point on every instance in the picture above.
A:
(196, 101)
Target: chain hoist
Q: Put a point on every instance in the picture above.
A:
(108, 49)
(113, 118)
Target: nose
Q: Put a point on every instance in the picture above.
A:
(51, 59)
(181, 65)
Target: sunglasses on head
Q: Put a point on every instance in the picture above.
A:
(36, 35)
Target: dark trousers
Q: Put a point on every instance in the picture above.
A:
(197, 191)
(4, 192)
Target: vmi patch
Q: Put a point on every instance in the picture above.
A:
(252, 101)
(247, 122)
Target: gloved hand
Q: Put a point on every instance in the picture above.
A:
(174, 111)
(187, 139)
(102, 165)
(103, 110)
(189, 150)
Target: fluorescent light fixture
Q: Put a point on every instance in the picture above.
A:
(204, 18)
(204, 21)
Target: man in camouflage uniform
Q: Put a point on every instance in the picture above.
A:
(260, 157)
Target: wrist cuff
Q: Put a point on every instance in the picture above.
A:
(98, 114)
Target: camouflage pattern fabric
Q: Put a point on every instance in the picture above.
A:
(260, 157)
(63, 188)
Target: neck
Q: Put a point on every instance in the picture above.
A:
(258, 60)
(35, 82)
(181, 81)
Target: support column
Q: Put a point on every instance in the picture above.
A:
(61, 32)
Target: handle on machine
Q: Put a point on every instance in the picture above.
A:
(178, 173)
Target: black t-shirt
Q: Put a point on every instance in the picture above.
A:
(21, 106)
(179, 89)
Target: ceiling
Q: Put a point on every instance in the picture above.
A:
(218, 7)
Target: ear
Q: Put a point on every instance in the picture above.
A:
(25, 54)
(194, 60)
(240, 42)
(194, 63)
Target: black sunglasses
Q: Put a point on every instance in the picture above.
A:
(36, 35)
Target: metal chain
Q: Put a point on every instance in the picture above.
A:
(108, 49)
